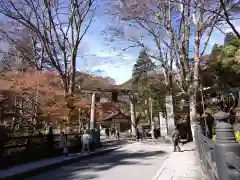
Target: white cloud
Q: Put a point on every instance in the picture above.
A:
(114, 54)
(119, 73)
(218, 35)
(226, 28)
(112, 63)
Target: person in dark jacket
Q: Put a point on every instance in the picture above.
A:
(137, 134)
(175, 138)
(107, 132)
(3, 139)
(50, 140)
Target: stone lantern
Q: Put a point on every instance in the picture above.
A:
(225, 142)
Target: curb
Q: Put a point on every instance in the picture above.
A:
(159, 172)
(38, 170)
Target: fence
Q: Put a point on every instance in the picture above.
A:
(18, 150)
(221, 159)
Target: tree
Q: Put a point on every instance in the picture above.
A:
(221, 71)
(59, 35)
(33, 97)
(146, 81)
(143, 65)
(23, 54)
(151, 89)
(142, 18)
(38, 100)
(172, 25)
(228, 54)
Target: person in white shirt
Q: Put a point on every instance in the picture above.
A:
(85, 141)
(130, 133)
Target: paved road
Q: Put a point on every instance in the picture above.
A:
(132, 161)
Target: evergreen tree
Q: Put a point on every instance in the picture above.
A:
(143, 64)
(231, 39)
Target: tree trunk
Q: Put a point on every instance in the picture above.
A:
(79, 121)
(169, 100)
(169, 112)
(73, 73)
(193, 114)
(194, 85)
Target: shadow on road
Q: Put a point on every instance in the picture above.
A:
(89, 169)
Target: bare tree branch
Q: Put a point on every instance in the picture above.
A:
(59, 27)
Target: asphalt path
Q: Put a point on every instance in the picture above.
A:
(133, 161)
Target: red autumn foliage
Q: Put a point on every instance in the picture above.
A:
(44, 88)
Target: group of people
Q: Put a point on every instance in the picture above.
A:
(87, 139)
(114, 132)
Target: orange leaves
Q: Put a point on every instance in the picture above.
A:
(44, 87)
(31, 81)
(45, 90)
(93, 82)
(82, 105)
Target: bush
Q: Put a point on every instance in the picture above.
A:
(237, 135)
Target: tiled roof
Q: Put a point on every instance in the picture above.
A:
(109, 116)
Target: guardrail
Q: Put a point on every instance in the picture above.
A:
(221, 159)
(18, 150)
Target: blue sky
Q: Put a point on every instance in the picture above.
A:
(99, 56)
(96, 55)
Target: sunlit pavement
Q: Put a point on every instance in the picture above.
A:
(132, 161)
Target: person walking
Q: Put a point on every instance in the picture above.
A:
(50, 141)
(85, 141)
(113, 132)
(107, 133)
(137, 134)
(117, 133)
(175, 138)
(141, 134)
(130, 133)
(63, 143)
(3, 140)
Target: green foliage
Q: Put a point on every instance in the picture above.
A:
(225, 67)
(216, 50)
(229, 51)
(237, 135)
(231, 39)
(143, 64)
(147, 86)
(151, 90)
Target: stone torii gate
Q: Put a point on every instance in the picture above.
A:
(116, 92)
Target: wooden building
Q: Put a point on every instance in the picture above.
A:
(119, 120)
